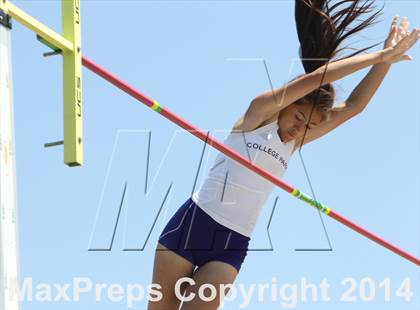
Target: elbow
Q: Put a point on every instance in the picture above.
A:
(356, 108)
(360, 110)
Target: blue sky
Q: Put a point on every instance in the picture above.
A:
(202, 60)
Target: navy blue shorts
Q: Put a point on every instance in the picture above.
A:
(194, 235)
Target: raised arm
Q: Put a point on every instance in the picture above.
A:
(364, 91)
(269, 103)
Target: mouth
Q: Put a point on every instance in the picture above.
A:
(291, 133)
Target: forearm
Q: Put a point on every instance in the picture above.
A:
(338, 69)
(271, 102)
(327, 73)
(366, 89)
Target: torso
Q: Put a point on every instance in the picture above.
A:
(234, 195)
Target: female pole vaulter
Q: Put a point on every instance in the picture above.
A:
(212, 229)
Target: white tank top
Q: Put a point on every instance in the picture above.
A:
(232, 194)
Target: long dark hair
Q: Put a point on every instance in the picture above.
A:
(322, 26)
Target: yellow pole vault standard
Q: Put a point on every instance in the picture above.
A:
(69, 45)
(72, 85)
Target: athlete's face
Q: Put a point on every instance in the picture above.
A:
(293, 119)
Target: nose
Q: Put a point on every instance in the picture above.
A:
(298, 129)
(294, 131)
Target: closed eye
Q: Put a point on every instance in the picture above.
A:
(299, 117)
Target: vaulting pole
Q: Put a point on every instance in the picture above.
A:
(239, 158)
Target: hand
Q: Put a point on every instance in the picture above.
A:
(399, 41)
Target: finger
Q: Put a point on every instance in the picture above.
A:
(393, 27)
(407, 57)
(392, 34)
(408, 41)
(394, 21)
(412, 37)
(411, 41)
(404, 24)
(398, 35)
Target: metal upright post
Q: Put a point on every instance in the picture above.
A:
(9, 258)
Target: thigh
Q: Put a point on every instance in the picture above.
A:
(214, 273)
(212, 241)
(168, 268)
